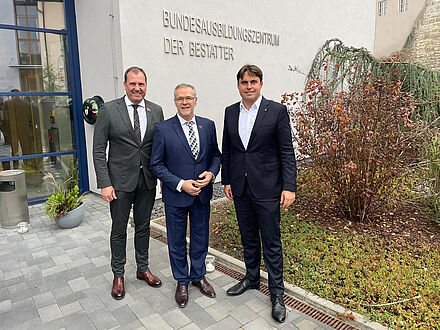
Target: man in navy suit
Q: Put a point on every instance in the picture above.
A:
(186, 159)
(259, 173)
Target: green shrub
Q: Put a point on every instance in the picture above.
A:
(360, 143)
(62, 200)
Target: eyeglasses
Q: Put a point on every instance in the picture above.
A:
(181, 99)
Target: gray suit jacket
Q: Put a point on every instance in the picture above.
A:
(125, 155)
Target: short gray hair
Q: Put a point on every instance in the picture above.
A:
(183, 85)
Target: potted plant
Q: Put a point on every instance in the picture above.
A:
(65, 205)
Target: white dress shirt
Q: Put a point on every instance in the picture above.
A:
(185, 127)
(142, 115)
(246, 121)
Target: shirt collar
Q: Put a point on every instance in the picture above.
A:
(254, 106)
(183, 121)
(128, 103)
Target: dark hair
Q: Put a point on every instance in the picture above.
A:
(252, 70)
(135, 70)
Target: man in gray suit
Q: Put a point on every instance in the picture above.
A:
(127, 125)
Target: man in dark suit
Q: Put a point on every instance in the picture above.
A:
(259, 173)
(127, 125)
(186, 159)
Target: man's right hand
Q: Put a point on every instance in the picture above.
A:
(108, 194)
(228, 192)
(188, 187)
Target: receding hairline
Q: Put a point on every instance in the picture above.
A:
(135, 70)
(185, 85)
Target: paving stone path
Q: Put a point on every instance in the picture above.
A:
(52, 278)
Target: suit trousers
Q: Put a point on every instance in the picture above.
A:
(257, 216)
(142, 200)
(176, 220)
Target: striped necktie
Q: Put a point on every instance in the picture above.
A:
(136, 124)
(192, 139)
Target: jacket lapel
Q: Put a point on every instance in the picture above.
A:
(234, 120)
(122, 108)
(179, 131)
(262, 111)
(202, 136)
(149, 121)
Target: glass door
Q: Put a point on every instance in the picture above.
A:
(41, 130)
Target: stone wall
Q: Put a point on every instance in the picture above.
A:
(423, 44)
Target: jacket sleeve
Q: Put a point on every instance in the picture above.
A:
(226, 151)
(158, 161)
(287, 155)
(100, 139)
(216, 158)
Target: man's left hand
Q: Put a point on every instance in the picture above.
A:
(287, 198)
(204, 179)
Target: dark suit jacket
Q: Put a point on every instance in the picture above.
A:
(269, 161)
(172, 159)
(125, 155)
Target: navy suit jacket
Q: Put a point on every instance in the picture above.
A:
(269, 160)
(172, 159)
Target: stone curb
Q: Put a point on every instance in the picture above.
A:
(361, 321)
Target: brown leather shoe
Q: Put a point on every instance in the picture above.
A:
(181, 295)
(118, 291)
(148, 277)
(205, 287)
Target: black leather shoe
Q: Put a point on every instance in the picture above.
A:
(278, 308)
(181, 295)
(242, 286)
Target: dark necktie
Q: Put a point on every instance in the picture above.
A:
(136, 124)
(192, 139)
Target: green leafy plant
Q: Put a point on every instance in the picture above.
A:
(433, 175)
(63, 200)
(391, 282)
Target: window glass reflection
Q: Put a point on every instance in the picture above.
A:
(41, 14)
(35, 125)
(36, 187)
(33, 62)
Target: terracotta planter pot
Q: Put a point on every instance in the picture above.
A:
(73, 218)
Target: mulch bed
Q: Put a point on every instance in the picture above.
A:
(408, 223)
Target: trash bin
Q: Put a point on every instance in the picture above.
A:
(13, 198)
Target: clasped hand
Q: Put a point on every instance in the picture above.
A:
(193, 187)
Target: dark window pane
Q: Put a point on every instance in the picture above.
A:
(36, 59)
(25, 59)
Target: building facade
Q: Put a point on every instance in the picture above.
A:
(394, 20)
(423, 44)
(83, 48)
